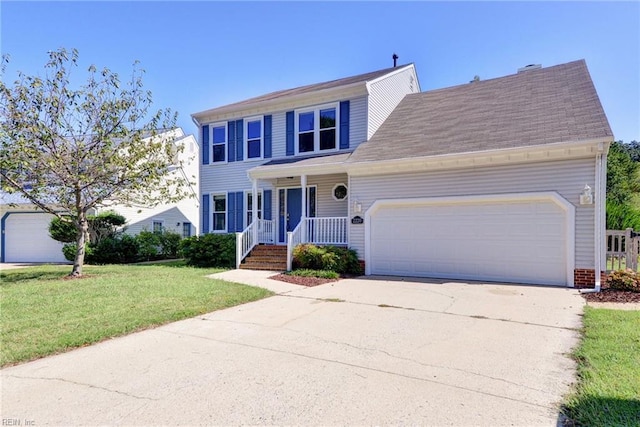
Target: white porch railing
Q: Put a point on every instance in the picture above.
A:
(319, 231)
(266, 231)
(294, 238)
(326, 231)
(262, 231)
(245, 241)
(622, 249)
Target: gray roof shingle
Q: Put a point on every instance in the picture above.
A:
(361, 78)
(535, 107)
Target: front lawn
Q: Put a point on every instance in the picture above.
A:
(608, 391)
(43, 313)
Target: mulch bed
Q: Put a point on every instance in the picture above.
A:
(613, 295)
(303, 281)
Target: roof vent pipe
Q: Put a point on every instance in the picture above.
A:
(395, 60)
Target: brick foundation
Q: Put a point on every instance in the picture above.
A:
(361, 262)
(586, 277)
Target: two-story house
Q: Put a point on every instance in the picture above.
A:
(500, 179)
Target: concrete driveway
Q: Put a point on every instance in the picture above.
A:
(374, 351)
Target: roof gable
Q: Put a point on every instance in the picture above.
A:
(534, 107)
(360, 79)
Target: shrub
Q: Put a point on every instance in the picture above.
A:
(333, 258)
(62, 231)
(209, 250)
(114, 250)
(149, 247)
(169, 244)
(625, 280)
(69, 252)
(322, 274)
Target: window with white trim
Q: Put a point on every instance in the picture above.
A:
(186, 229)
(218, 142)
(249, 213)
(219, 212)
(317, 129)
(156, 226)
(253, 131)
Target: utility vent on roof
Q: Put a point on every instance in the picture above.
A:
(530, 67)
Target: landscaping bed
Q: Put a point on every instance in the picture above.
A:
(303, 281)
(613, 295)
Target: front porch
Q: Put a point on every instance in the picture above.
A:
(318, 215)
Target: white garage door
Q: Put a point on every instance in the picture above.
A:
(521, 241)
(27, 239)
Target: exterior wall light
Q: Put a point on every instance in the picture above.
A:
(586, 197)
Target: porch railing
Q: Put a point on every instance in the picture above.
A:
(622, 249)
(327, 230)
(294, 238)
(320, 231)
(263, 230)
(266, 231)
(245, 242)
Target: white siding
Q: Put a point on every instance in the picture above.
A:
(326, 205)
(186, 210)
(566, 177)
(357, 122)
(386, 93)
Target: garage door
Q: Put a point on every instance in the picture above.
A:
(521, 241)
(26, 239)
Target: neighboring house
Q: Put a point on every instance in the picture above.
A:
(482, 181)
(25, 229)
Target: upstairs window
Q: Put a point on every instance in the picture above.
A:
(156, 226)
(254, 138)
(317, 130)
(219, 143)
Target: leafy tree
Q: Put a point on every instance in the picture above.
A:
(623, 185)
(71, 149)
(105, 224)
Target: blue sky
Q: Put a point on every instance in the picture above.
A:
(199, 55)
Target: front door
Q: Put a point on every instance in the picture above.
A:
(290, 209)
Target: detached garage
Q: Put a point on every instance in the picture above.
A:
(25, 238)
(525, 238)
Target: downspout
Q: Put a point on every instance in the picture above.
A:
(598, 220)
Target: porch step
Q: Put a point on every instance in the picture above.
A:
(266, 257)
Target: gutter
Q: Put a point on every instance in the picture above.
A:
(599, 215)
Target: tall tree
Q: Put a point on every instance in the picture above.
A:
(623, 185)
(68, 150)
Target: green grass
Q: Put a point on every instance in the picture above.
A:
(608, 391)
(43, 313)
(322, 274)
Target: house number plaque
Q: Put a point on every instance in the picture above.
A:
(357, 220)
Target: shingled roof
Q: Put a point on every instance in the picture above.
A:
(534, 107)
(361, 78)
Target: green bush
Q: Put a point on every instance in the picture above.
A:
(625, 280)
(210, 250)
(169, 244)
(333, 258)
(119, 249)
(157, 244)
(62, 231)
(69, 252)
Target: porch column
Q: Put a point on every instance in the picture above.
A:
(254, 209)
(303, 216)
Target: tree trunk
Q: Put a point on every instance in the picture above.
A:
(81, 241)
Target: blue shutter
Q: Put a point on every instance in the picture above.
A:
(231, 142)
(231, 212)
(267, 137)
(290, 133)
(205, 144)
(239, 210)
(205, 213)
(266, 205)
(239, 140)
(344, 124)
